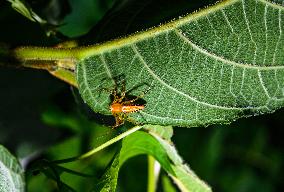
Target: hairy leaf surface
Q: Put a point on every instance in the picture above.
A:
(215, 65)
(11, 173)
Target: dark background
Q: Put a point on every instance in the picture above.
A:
(41, 117)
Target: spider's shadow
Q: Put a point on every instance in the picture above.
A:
(119, 88)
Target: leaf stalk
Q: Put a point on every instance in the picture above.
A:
(97, 149)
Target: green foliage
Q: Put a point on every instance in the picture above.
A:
(163, 151)
(88, 13)
(212, 66)
(11, 172)
(167, 185)
(76, 23)
(25, 10)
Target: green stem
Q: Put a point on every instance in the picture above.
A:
(33, 56)
(94, 150)
(44, 53)
(46, 58)
(58, 61)
(73, 172)
(152, 180)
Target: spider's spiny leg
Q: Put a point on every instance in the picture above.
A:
(123, 91)
(119, 120)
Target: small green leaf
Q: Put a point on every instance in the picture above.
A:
(11, 172)
(135, 144)
(183, 176)
(21, 7)
(211, 66)
(142, 143)
(108, 181)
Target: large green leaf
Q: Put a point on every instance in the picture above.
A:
(11, 173)
(163, 151)
(215, 65)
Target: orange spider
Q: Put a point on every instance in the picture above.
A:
(120, 107)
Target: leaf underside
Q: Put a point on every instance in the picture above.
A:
(11, 173)
(215, 65)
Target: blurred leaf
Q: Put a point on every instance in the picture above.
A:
(86, 134)
(248, 153)
(130, 16)
(65, 188)
(85, 14)
(58, 17)
(21, 7)
(11, 172)
(213, 66)
(34, 182)
(21, 128)
(142, 143)
(167, 185)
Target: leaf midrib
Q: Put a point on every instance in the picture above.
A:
(102, 48)
(140, 36)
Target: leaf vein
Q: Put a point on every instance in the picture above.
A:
(265, 24)
(135, 49)
(227, 20)
(279, 37)
(87, 84)
(262, 84)
(231, 82)
(212, 55)
(249, 30)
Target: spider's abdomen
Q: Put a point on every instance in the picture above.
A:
(120, 108)
(132, 108)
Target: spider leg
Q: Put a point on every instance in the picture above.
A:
(123, 91)
(119, 120)
(136, 98)
(112, 91)
(115, 95)
(131, 101)
(139, 85)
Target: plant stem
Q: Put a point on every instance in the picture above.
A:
(46, 58)
(94, 150)
(152, 174)
(63, 169)
(59, 61)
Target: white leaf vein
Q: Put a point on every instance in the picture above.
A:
(212, 55)
(135, 49)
